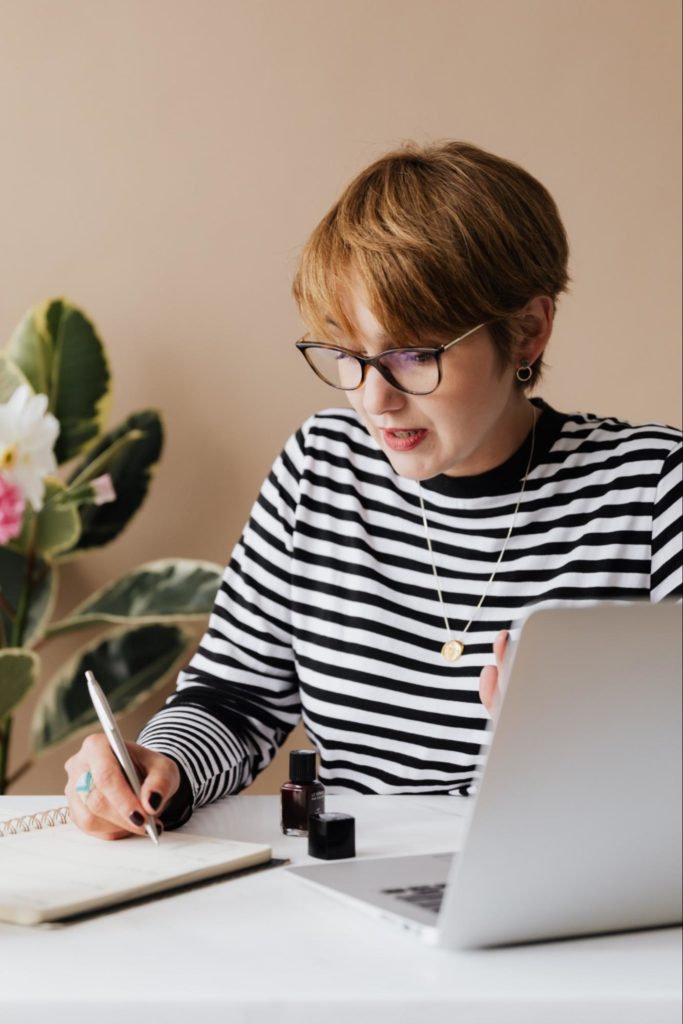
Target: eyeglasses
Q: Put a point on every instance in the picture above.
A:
(416, 371)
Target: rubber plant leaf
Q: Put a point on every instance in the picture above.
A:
(60, 353)
(129, 665)
(179, 589)
(19, 670)
(128, 454)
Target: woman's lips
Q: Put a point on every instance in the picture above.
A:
(403, 440)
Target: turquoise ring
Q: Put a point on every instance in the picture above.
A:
(84, 785)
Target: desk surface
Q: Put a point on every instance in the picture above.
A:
(268, 948)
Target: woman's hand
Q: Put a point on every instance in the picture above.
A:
(489, 678)
(110, 810)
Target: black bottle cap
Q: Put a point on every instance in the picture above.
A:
(302, 765)
(331, 836)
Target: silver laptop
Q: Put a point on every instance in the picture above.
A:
(576, 828)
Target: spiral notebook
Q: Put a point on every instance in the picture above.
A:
(51, 871)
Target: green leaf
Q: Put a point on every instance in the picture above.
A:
(32, 352)
(57, 526)
(129, 665)
(58, 350)
(178, 589)
(13, 567)
(130, 467)
(11, 378)
(19, 670)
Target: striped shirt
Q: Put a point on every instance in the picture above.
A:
(329, 610)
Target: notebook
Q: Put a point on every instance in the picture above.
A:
(53, 873)
(576, 828)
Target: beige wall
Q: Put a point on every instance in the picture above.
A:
(164, 160)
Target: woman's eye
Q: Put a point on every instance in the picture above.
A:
(418, 357)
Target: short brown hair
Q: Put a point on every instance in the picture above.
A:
(442, 237)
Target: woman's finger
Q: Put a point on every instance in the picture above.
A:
(489, 678)
(108, 806)
(500, 646)
(161, 778)
(82, 813)
(488, 685)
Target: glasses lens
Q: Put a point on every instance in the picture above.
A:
(413, 369)
(335, 367)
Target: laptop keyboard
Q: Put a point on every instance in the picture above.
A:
(427, 896)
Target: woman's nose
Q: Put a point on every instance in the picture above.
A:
(378, 395)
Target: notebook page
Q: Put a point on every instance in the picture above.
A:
(60, 871)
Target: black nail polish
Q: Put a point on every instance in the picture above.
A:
(302, 795)
(155, 801)
(137, 818)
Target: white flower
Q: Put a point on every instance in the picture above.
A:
(27, 436)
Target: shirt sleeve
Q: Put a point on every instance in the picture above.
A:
(667, 539)
(238, 699)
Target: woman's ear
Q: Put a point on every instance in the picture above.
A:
(536, 326)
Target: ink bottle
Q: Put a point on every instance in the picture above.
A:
(303, 795)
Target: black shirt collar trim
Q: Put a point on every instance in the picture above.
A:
(508, 476)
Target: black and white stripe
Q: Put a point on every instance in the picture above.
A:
(329, 608)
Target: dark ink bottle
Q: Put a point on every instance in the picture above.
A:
(303, 795)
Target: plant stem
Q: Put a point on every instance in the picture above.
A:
(25, 596)
(5, 731)
(6, 608)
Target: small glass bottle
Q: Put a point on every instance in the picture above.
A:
(303, 795)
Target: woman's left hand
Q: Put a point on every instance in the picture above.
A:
(489, 685)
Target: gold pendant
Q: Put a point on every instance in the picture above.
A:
(452, 650)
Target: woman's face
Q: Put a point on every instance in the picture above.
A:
(475, 420)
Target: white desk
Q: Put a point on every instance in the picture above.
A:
(268, 948)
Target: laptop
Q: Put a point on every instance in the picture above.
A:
(576, 828)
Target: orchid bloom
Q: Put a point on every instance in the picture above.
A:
(27, 436)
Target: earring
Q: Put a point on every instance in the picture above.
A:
(524, 372)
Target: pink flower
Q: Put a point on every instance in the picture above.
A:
(103, 490)
(94, 492)
(11, 510)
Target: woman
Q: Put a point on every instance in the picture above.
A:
(396, 542)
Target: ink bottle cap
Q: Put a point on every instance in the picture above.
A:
(302, 766)
(331, 836)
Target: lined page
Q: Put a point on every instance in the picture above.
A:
(60, 871)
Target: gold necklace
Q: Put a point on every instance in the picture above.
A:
(454, 649)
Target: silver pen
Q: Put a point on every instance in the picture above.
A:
(117, 744)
